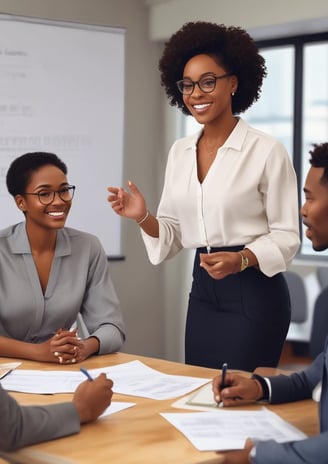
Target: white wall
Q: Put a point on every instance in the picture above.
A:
(154, 299)
(259, 16)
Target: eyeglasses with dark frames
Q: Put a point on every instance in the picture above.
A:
(46, 197)
(206, 84)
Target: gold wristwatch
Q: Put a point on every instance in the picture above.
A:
(244, 261)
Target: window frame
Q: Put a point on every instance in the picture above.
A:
(298, 42)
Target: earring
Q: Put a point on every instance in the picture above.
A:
(233, 94)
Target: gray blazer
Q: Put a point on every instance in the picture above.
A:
(299, 386)
(79, 281)
(26, 425)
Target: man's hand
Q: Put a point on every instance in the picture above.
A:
(240, 390)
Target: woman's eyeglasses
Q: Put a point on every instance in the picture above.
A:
(47, 196)
(206, 84)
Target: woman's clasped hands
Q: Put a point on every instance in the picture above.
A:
(66, 347)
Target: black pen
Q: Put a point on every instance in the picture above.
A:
(223, 382)
(223, 379)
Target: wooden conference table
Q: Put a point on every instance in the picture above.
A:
(137, 435)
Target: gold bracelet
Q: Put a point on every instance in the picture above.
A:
(143, 219)
(244, 261)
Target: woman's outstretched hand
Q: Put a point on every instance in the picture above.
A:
(128, 203)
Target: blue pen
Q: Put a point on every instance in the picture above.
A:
(86, 373)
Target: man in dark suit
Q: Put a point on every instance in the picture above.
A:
(313, 381)
(26, 425)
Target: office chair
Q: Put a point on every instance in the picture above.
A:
(319, 332)
(299, 314)
(322, 276)
(319, 329)
(298, 297)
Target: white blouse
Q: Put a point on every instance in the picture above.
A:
(248, 197)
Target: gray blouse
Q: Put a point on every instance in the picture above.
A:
(79, 281)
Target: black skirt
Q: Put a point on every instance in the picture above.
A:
(242, 319)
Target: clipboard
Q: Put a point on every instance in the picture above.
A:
(203, 397)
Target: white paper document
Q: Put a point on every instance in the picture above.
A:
(116, 406)
(228, 429)
(6, 368)
(131, 378)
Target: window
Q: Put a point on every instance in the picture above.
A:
(315, 108)
(294, 103)
(273, 112)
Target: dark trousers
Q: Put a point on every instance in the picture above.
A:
(242, 319)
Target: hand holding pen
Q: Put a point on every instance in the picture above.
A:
(92, 396)
(232, 389)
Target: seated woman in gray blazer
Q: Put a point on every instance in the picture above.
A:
(26, 425)
(50, 273)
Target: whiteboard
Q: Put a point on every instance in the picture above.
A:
(62, 91)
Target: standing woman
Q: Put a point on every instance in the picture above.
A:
(50, 273)
(230, 192)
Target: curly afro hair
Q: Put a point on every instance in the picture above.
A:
(319, 159)
(232, 47)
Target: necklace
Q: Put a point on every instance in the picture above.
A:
(211, 149)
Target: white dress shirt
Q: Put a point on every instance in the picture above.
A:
(248, 197)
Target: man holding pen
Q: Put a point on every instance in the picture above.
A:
(27, 425)
(239, 390)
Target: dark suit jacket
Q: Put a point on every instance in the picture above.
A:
(296, 387)
(25, 425)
